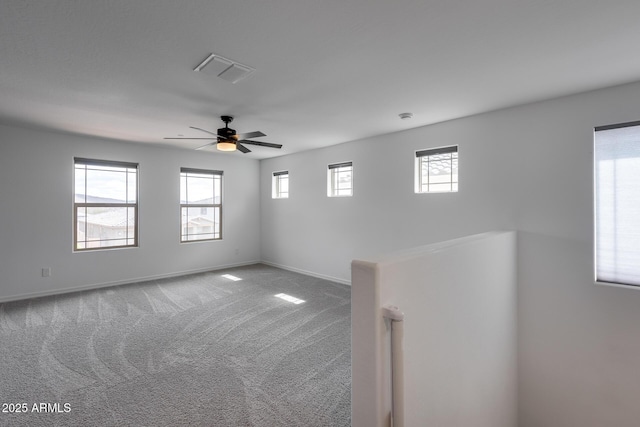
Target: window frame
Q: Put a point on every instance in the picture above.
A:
(214, 174)
(333, 170)
(276, 184)
(78, 205)
(421, 155)
(617, 282)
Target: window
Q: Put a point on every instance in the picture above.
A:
(437, 170)
(280, 185)
(106, 204)
(617, 203)
(200, 204)
(340, 180)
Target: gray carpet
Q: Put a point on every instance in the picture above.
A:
(199, 350)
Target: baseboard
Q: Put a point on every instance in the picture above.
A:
(308, 273)
(120, 282)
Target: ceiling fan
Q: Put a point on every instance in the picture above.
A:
(228, 140)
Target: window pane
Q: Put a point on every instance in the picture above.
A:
(217, 189)
(437, 172)
(132, 186)
(284, 185)
(200, 190)
(79, 189)
(204, 189)
(81, 227)
(183, 188)
(344, 178)
(200, 223)
(106, 186)
(617, 193)
(112, 186)
(280, 186)
(341, 181)
(100, 227)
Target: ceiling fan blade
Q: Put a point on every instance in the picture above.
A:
(242, 148)
(255, 134)
(191, 138)
(262, 144)
(203, 130)
(207, 145)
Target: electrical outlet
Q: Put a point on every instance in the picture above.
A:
(46, 272)
(237, 251)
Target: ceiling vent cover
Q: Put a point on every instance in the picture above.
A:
(224, 68)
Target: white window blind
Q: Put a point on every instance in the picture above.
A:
(617, 203)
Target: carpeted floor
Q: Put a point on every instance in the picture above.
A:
(200, 350)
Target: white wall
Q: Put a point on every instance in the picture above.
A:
(315, 233)
(459, 302)
(527, 168)
(36, 208)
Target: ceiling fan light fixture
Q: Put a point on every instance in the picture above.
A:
(226, 146)
(226, 139)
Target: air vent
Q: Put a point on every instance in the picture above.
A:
(224, 68)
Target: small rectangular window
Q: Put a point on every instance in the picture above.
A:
(437, 170)
(105, 204)
(617, 203)
(340, 179)
(200, 204)
(280, 185)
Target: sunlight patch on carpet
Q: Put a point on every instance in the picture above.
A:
(290, 298)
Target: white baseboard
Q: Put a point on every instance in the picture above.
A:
(120, 282)
(308, 273)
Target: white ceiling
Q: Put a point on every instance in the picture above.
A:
(327, 71)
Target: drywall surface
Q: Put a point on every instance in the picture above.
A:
(36, 214)
(459, 302)
(312, 232)
(526, 168)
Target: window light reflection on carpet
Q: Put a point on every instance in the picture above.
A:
(290, 298)
(231, 277)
